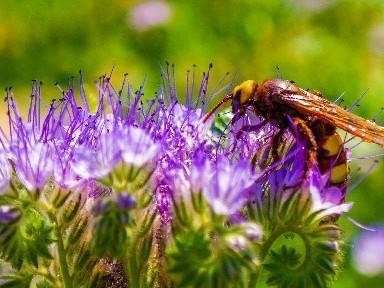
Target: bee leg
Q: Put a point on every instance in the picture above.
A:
(271, 155)
(310, 137)
(239, 115)
(276, 140)
(250, 128)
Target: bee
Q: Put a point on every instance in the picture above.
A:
(279, 100)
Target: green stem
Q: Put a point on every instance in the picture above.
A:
(131, 267)
(67, 281)
(63, 262)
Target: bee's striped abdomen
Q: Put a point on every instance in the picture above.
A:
(331, 155)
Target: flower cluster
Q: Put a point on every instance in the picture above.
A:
(175, 200)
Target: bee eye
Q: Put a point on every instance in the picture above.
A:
(246, 90)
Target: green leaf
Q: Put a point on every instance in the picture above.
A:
(19, 280)
(27, 239)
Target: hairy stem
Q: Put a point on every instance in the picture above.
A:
(67, 281)
(131, 264)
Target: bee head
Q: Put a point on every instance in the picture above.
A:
(240, 96)
(245, 91)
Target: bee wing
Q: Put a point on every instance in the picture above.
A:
(312, 105)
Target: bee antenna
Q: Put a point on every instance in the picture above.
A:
(217, 106)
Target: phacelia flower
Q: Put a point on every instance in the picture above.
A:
(33, 164)
(227, 191)
(5, 172)
(150, 14)
(125, 201)
(74, 144)
(8, 214)
(137, 147)
(368, 252)
(159, 169)
(99, 161)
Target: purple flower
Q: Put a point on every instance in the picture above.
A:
(180, 132)
(64, 174)
(8, 214)
(33, 157)
(325, 198)
(249, 135)
(237, 243)
(150, 14)
(33, 164)
(163, 203)
(74, 144)
(137, 147)
(178, 181)
(188, 122)
(225, 185)
(368, 252)
(132, 145)
(97, 162)
(125, 201)
(201, 173)
(5, 172)
(253, 231)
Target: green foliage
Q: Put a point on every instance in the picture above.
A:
(27, 239)
(301, 247)
(199, 259)
(20, 280)
(298, 248)
(206, 251)
(113, 221)
(47, 239)
(71, 226)
(44, 284)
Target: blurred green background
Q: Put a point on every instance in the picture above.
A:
(328, 45)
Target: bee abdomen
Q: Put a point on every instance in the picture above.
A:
(332, 158)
